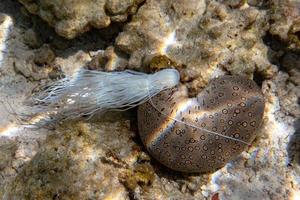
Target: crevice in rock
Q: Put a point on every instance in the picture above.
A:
(258, 78)
(277, 49)
(93, 40)
(293, 147)
(274, 42)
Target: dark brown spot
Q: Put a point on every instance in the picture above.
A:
(224, 111)
(253, 123)
(237, 110)
(236, 88)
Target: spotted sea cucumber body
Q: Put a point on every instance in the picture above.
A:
(231, 105)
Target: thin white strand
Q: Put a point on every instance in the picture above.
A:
(89, 92)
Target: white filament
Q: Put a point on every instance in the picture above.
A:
(89, 92)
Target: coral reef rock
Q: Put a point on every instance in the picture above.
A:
(73, 17)
(200, 36)
(285, 21)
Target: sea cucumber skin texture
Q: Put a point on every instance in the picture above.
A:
(231, 105)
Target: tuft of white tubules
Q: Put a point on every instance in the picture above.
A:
(88, 92)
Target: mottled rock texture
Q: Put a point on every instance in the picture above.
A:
(200, 37)
(65, 167)
(285, 21)
(73, 17)
(105, 158)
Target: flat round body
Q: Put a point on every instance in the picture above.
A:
(203, 133)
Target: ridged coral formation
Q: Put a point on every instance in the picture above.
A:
(73, 17)
(220, 37)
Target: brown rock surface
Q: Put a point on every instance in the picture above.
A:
(73, 17)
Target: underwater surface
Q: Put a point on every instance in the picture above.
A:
(150, 99)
